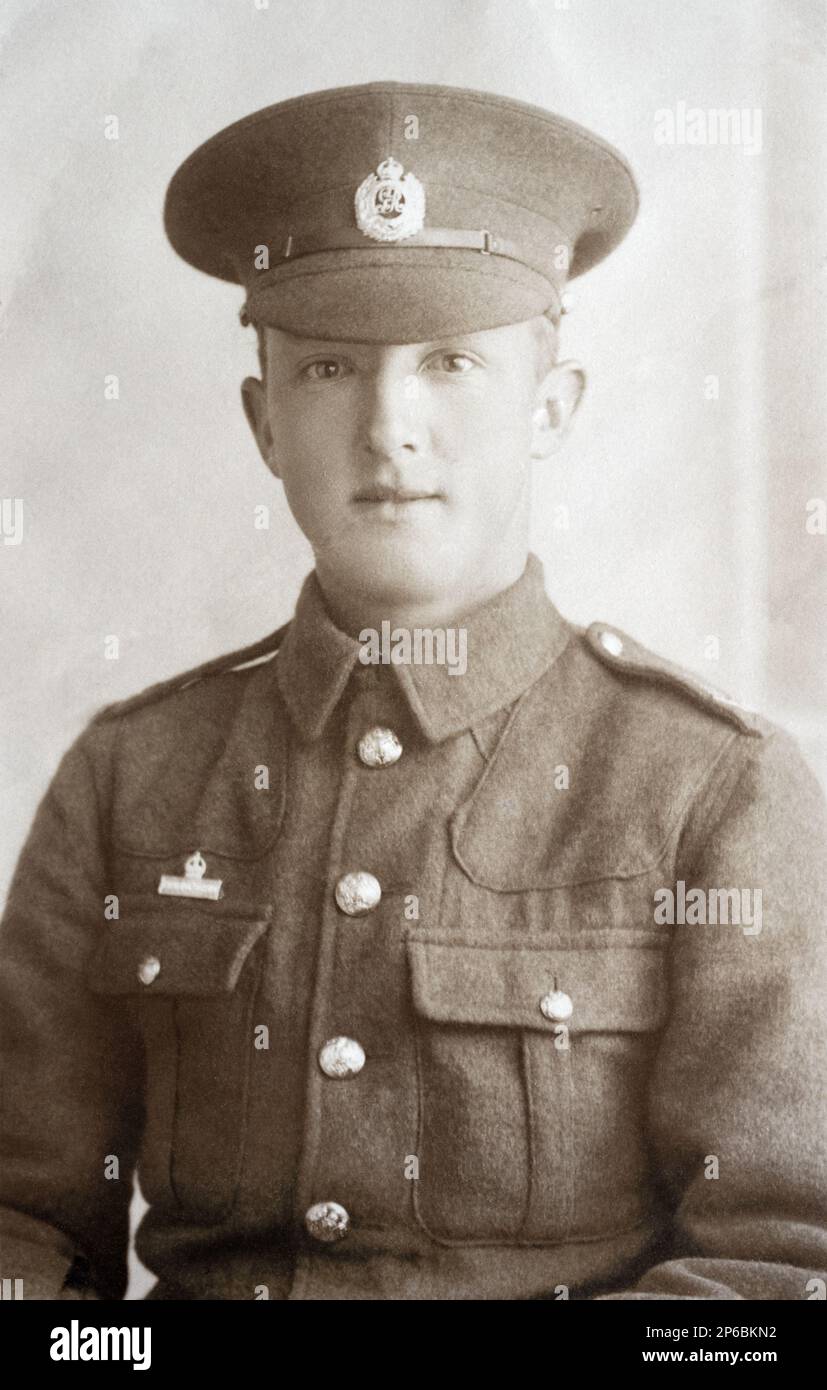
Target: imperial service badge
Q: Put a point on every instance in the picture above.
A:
(193, 884)
(390, 205)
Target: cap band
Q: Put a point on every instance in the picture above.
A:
(298, 245)
(488, 243)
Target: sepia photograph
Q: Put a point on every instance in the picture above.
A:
(413, 591)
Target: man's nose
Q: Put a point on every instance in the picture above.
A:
(391, 414)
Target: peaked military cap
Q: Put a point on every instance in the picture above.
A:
(395, 212)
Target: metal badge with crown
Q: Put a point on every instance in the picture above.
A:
(193, 884)
(390, 205)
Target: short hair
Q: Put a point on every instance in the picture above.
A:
(545, 337)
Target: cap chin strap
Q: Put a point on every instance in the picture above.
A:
(532, 254)
(308, 242)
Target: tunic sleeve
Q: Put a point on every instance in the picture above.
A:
(736, 1105)
(71, 1112)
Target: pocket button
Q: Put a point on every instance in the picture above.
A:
(557, 1006)
(327, 1221)
(149, 970)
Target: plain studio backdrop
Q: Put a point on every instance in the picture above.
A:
(684, 508)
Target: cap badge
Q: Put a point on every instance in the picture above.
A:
(390, 205)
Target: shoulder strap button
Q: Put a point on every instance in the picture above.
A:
(610, 642)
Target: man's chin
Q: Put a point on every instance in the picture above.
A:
(400, 570)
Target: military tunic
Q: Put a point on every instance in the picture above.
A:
(431, 1041)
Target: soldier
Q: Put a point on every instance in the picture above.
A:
(406, 978)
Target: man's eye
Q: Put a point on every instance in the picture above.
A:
(325, 369)
(455, 363)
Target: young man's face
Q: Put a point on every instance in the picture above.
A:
(408, 466)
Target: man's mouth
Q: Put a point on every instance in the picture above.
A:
(398, 495)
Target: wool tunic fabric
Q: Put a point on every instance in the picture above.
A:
(554, 1093)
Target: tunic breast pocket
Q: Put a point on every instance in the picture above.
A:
(532, 1064)
(190, 973)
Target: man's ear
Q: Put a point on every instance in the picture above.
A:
(556, 401)
(254, 401)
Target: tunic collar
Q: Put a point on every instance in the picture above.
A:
(509, 642)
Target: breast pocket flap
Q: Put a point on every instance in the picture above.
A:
(601, 989)
(183, 952)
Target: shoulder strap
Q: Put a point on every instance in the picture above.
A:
(623, 653)
(254, 655)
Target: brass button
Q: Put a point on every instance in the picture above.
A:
(341, 1057)
(379, 748)
(327, 1221)
(149, 970)
(357, 893)
(611, 643)
(557, 1006)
